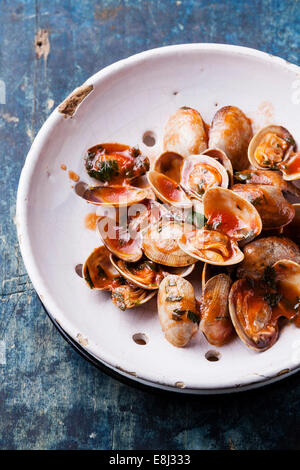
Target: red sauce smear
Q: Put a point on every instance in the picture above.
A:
(90, 221)
(73, 176)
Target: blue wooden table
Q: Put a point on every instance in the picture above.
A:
(51, 398)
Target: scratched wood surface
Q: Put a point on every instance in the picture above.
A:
(51, 398)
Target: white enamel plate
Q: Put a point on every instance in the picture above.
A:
(120, 104)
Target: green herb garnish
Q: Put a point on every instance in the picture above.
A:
(272, 298)
(105, 170)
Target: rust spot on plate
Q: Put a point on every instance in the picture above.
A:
(126, 371)
(69, 106)
(284, 371)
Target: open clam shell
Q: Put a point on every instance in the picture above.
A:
(270, 146)
(128, 296)
(292, 230)
(185, 132)
(177, 310)
(221, 157)
(115, 163)
(167, 190)
(201, 172)
(290, 167)
(215, 322)
(231, 132)
(231, 214)
(275, 211)
(146, 273)
(211, 246)
(98, 271)
(287, 274)
(118, 240)
(251, 316)
(169, 164)
(115, 196)
(160, 244)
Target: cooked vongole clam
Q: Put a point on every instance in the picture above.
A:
(169, 164)
(287, 274)
(160, 244)
(98, 271)
(268, 177)
(273, 147)
(230, 219)
(177, 310)
(118, 239)
(221, 157)
(216, 323)
(115, 163)
(185, 132)
(275, 211)
(115, 196)
(263, 253)
(292, 230)
(256, 306)
(129, 296)
(146, 273)
(201, 172)
(231, 132)
(167, 190)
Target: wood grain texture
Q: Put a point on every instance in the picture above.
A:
(50, 398)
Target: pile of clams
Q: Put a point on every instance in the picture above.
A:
(217, 197)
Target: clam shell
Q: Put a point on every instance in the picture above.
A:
(264, 252)
(185, 133)
(115, 196)
(99, 278)
(125, 269)
(160, 244)
(231, 214)
(231, 132)
(275, 211)
(288, 279)
(259, 137)
(215, 322)
(167, 190)
(118, 240)
(268, 177)
(169, 164)
(177, 310)
(115, 163)
(221, 157)
(128, 296)
(291, 167)
(211, 247)
(261, 338)
(200, 172)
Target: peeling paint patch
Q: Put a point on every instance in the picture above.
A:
(9, 118)
(82, 340)
(50, 103)
(42, 44)
(69, 105)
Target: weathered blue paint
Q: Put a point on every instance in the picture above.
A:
(49, 396)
